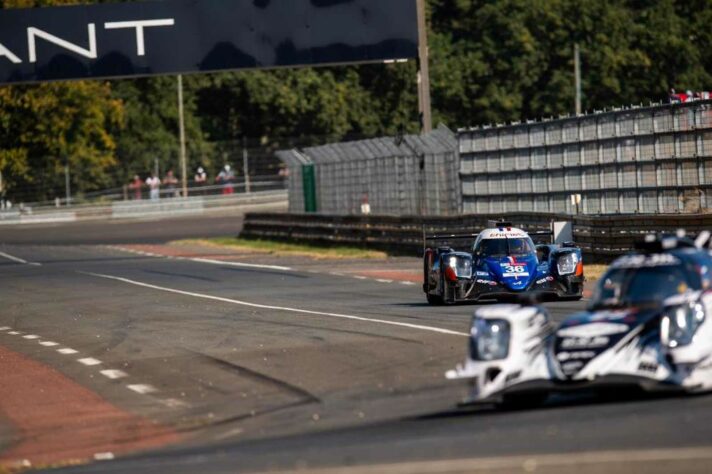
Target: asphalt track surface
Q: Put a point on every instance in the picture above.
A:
(268, 370)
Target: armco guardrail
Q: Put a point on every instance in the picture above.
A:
(600, 237)
(143, 208)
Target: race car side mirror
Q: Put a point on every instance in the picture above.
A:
(568, 245)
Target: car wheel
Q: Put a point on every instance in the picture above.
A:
(435, 300)
(571, 298)
(523, 401)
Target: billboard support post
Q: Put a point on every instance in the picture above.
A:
(424, 106)
(181, 127)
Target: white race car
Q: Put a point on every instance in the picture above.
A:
(648, 326)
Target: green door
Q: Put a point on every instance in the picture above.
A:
(309, 185)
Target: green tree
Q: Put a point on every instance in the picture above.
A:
(45, 127)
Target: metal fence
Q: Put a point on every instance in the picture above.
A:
(409, 175)
(646, 160)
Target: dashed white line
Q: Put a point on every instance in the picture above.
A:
(408, 283)
(336, 274)
(359, 277)
(89, 361)
(104, 456)
(280, 308)
(142, 388)
(19, 260)
(384, 281)
(114, 374)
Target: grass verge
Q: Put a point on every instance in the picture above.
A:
(272, 247)
(594, 271)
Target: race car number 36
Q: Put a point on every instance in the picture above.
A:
(514, 269)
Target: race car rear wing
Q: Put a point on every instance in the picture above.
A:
(560, 232)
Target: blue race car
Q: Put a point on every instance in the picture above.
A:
(503, 262)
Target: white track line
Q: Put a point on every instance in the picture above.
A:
(49, 343)
(210, 261)
(14, 333)
(5, 328)
(114, 374)
(31, 336)
(89, 361)
(239, 264)
(19, 260)
(67, 351)
(142, 388)
(279, 308)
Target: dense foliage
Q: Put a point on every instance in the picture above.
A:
(491, 61)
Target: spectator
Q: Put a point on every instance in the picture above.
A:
(227, 177)
(154, 183)
(171, 183)
(200, 180)
(201, 177)
(136, 186)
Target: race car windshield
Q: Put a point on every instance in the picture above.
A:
(634, 286)
(504, 247)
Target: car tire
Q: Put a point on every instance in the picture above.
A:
(434, 300)
(571, 298)
(523, 401)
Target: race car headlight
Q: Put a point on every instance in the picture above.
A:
(679, 324)
(461, 265)
(566, 264)
(489, 339)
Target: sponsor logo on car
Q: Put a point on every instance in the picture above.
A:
(482, 274)
(593, 330)
(584, 342)
(609, 315)
(648, 367)
(544, 280)
(585, 355)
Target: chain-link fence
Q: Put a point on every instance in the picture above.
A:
(408, 175)
(66, 182)
(655, 159)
